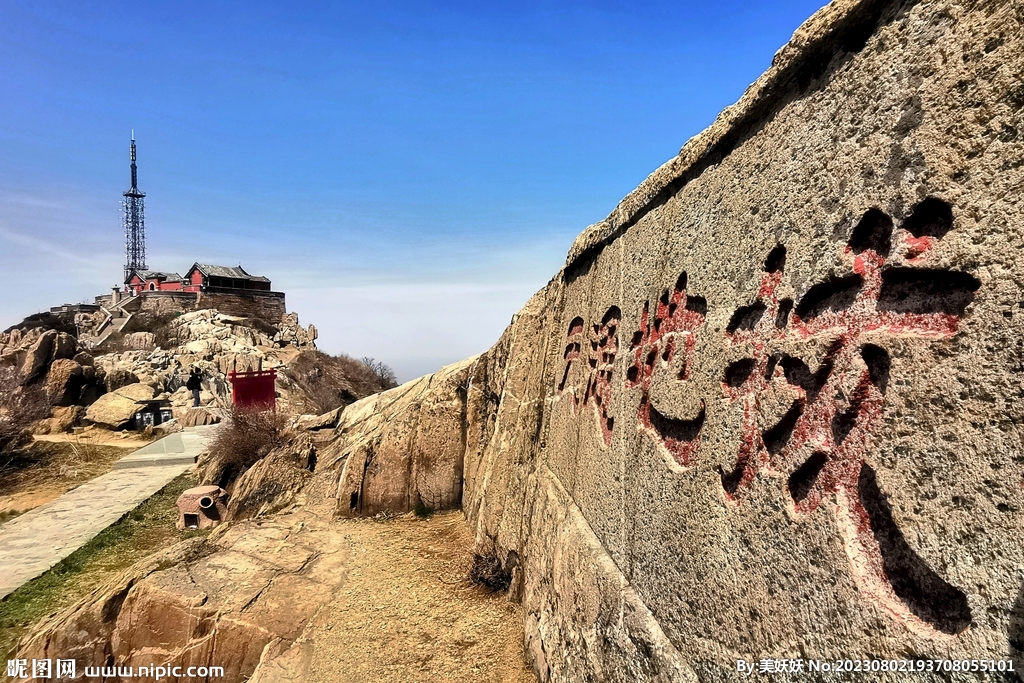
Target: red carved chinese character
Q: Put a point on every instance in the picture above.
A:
(600, 356)
(824, 437)
(676, 320)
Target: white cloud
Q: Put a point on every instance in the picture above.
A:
(44, 246)
(414, 328)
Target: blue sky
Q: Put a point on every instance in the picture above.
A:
(409, 173)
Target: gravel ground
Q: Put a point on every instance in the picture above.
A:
(408, 612)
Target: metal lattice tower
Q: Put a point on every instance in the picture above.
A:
(134, 223)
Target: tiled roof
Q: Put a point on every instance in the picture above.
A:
(236, 273)
(156, 274)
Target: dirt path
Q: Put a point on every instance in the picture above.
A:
(407, 611)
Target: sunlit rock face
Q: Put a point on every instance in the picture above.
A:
(770, 407)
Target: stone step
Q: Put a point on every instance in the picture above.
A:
(173, 449)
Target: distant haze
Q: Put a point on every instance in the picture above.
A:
(408, 173)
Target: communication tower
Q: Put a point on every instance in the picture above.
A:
(134, 223)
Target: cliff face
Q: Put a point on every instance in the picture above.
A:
(770, 408)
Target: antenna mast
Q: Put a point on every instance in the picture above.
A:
(134, 223)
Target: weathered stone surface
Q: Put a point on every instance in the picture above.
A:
(64, 346)
(219, 601)
(273, 483)
(402, 448)
(136, 392)
(770, 407)
(140, 340)
(112, 411)
(312, 423)
(119, 377)
(214, 343)
(64, 382)
(197, 417)
(63, 419)
(37, 356)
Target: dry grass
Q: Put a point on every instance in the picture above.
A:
(407, 610)
(144, 530)
(43, 470)
(330, 382)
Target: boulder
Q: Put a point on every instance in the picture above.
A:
(312, 423)
(197, 417)
(119, 377)
(64, 346)
(64, 382)
(64, 420)
(37, 356)
(273, 483)
(403, 448)
(83, 358)
(230, 600)
(112, 411)
(140, 340)
(136, 392)
(91, 392)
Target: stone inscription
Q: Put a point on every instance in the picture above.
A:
(809, 422)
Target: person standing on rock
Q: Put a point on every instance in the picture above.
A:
(195, 385)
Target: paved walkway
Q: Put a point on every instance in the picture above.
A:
(35, 541)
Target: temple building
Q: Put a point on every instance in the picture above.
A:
(200, 277)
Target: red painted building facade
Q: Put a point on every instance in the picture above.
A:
(200, 277)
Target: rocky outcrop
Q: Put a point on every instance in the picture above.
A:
(112, 411)
(63, 419)
(64, 382)
(291, 332)
(216, 344)
(198, 417)
(403, 448)
(140, 340)
(136, 392)
(32, 351)
(769, 409)
(274, 482)
(239, 597)
(117, 377)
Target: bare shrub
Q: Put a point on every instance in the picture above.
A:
(260, 325)
(384, 374)
(20, 406)
(47, 321)
(330, 382)
(247, 437)
(488, 571)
